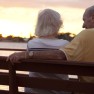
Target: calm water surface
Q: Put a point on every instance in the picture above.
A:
(11, 45)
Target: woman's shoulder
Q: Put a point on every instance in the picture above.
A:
(34, 40)
(63, 40)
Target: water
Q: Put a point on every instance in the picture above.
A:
(11, 45)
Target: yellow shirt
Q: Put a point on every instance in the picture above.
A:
(81, 48)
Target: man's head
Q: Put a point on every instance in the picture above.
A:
(88, 18)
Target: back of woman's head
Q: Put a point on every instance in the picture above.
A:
(48, 23)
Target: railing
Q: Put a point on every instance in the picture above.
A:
(9, 49)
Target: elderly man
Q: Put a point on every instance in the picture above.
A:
(79, 49)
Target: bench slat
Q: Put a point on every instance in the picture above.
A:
(55, 84)
(4, 78)
(4, 92)
(50, 67)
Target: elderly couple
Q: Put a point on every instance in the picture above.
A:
(47, 27)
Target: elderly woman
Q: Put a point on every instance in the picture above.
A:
(47, 28)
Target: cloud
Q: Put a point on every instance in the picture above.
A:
(41, 3)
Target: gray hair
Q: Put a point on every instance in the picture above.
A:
(48, 23)
(90, 11)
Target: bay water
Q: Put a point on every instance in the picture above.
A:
(11, 45)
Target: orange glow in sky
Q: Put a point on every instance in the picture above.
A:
(21, 21)
(17, 21)
(18, 17)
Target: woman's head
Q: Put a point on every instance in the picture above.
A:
(48, 23)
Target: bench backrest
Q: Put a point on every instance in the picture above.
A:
(51, 66)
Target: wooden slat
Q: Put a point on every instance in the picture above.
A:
(10, 49)
(56, 67)
(3, 63)
(55, 84)
(4, 78)
(25, 93)
(4, 92)
(59, 62)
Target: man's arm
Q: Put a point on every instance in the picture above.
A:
(46, 54)
(49, 54)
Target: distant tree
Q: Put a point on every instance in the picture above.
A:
(66, 36)
(10, 37)
(0, 35)
(14, 39)
(18, 39)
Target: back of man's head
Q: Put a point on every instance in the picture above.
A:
(90, 11)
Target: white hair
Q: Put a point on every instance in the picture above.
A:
(48, 23)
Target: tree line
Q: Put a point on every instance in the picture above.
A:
(67, 36)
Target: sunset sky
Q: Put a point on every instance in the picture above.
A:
(18, 17)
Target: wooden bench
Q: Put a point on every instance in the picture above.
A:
(51, 66)
(15, 80)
